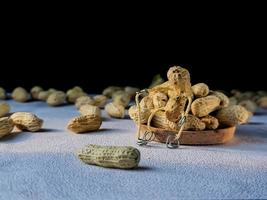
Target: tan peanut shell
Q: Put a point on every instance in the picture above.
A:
(84, 123)
(251, 106)
(2, 94)
(35, 91)
(147, 102)
(123, 157)
(236, 93)
(255, 98)
(118, 92)
(156, 80)
(246, 95)
(20, 94)
(224, 100)
(115, 110)
(74, 93)
(144, 114)
(100, 100)
(6, 126)
(211, 122)
(121, 99)
(4, 108)
(131, 91)
(77, 89)
(26, 121)
(200, 90)
(174, 108)
(194, 123)
(84, 100)
(261, 93)
(43, 95)
(50, 90)
(110, 90)
(90, 110)
(56, 98)
(205, 105)
(262, 102)
(233, 115)
(159, 100)
(160, 120)
(232, 101)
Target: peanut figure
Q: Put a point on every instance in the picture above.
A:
(178, 90)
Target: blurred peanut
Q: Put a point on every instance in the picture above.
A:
(262, 102)
(110, 90)
(20, 94)
(251, 106)
(100, 100)
(90, 110)
(121, 99)
(2, 94)
(233, 115)
(56, 98)
(84, 100)
(35, 91)
(74, 93)
(4, 108)
(131, 91)
(115, 110)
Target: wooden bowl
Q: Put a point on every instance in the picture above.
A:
(206, 137)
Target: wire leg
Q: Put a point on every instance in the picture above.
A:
(147, 137)
(172, 142)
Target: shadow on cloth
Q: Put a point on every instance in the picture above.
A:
(16, 137)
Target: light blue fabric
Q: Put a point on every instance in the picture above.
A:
(43, 165)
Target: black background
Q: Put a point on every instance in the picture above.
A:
(225, 53)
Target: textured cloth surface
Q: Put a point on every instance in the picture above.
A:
(43, 165)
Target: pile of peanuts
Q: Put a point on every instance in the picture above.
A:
(249, 99)
(89, 107)
(209, 110)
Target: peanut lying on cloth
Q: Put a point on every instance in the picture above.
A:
(123, 157)
(74, 93)
(6, 126)
(90, 110)
(84, 123)
(35, 91)
(115, 110)
(26, 121)
(20, 94)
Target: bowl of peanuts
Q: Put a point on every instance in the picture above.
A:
(193, 115)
